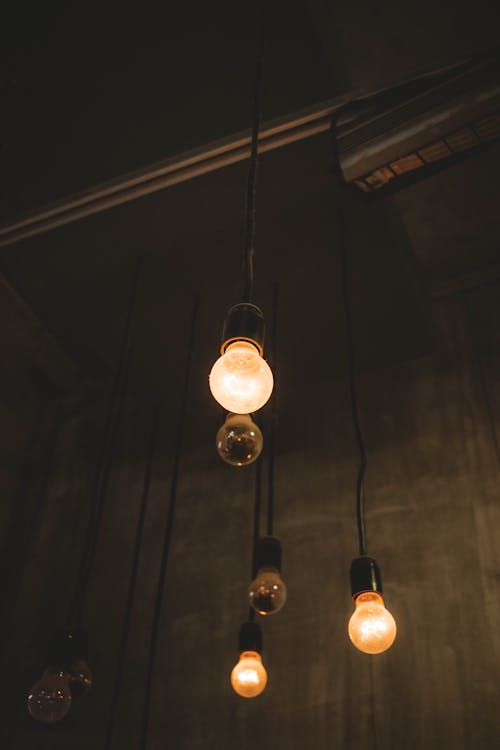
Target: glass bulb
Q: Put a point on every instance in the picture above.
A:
(80, 677)
(241, 381)
(239, 440)
(50, 697)
(372, 628)
(249, 677)
(267, 593)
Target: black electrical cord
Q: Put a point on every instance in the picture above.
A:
(251, 194)
(274, 413)
(172, 500)
(344, 283)
(124, 637)
(257, 504)
(82, 591)
(104, 460)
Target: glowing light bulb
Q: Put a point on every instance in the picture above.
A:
(267, 592)
(50, 697)
(241, 381)
(249, 677)
(239, 441)
(372, 628)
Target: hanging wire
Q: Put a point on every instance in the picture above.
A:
(274, 413)
(124, 637)
(251, 194)
(257, 504)
(344, 283)
(13, 708)
(103, 468)
(172, 500)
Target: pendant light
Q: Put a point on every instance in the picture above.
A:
(372, 628)
(239, 440)
(249, 676)
(67, 674)
(241, 380)
(267, 592)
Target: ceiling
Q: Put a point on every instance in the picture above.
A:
(155, 85)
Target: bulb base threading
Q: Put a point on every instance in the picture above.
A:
(365, 576)
(244, 322)
(250, 638)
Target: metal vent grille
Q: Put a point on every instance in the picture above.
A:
(434, 152)
(462, 140)
(465, 139)
(489, 128)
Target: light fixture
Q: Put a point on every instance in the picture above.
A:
(50, 698)
(239, 440)
(241, 380)
(67, 676)
(372, 628)
(267, 592)
(249, 677)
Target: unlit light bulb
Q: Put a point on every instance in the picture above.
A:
(239, 441)
(249, 677)
(372, 628)
(267, 592)
(50, 698)
(241, 381)
(80, 677)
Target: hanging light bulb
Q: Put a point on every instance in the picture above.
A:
(239, 441)
(50, 698)
(249, 677)
(372, 628)
(80, 677)
(67, 677)
(267, 592)
(241, 380)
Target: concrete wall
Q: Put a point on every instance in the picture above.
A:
(431, 425)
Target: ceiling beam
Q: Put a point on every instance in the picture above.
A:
(188, 165)
(164, 174)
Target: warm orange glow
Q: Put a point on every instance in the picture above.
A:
(372, 628)
(267, 593)
(249, 678)
(241, 381)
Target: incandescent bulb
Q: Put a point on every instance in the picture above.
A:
(80, 677)
(267, 592)
(50, 697)
(372, 628)
(249, 677)
(239, 441)
(240, 380)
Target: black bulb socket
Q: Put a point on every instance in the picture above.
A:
(244, 322)
(250, 638)
(267, 553)
(365, 576)
(66, 647)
